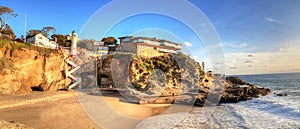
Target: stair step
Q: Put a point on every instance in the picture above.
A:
(71, 63)
(74, 69)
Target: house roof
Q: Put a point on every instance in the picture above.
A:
(125, 37)
(164, 47)
(36, 35)
(151, 39)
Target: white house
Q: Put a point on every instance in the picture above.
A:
(42, 41)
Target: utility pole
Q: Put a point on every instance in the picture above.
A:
(203, 66)
(25, 23)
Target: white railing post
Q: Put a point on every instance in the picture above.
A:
(76, 80)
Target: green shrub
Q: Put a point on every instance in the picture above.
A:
(12, 46)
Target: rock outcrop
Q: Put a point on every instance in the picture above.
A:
(25, 68)
(171, 79)
(281, 94)
(233, 90)
(234, 94)
(155, 74)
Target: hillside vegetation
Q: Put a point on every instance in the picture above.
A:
(172, 71)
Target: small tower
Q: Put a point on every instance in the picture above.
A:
(74, 40)
(71, 72)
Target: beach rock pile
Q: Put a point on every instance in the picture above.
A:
(233, 91)
(237, 90)
(234, 94)
(12, 125)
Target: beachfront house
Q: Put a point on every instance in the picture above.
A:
(42, 41)
(94, 48)
(148, 47)
(101, 50)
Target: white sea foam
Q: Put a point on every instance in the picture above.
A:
(270, 111)
(264, 112)
(260, 113)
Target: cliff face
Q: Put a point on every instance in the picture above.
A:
(24, 69)
(158, 73)
(149, 74)
(167, 76)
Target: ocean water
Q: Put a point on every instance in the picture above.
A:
(268, 112)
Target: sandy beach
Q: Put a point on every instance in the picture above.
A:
(62, 109)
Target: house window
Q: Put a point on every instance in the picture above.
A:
(126, 39)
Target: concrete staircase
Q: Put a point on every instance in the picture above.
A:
(70, 73)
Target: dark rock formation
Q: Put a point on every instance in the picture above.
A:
(237, 90)
(236, 81)
(234, 94)
(280, 94)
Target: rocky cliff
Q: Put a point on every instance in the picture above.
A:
(24, 68)
(167, 79)
(156, 74)
(148, 74)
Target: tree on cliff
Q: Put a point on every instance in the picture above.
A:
(47, 29)
(61, 40)
(32, 33)
(200, 69)
(109, 41)
(5, 14)
(9, 32)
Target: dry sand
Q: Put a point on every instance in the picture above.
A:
(62, 109)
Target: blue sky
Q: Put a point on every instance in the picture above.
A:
(257, 36)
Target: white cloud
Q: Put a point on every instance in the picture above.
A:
(281, 49)
(234, 61)
(188, 44)
(195, 57)
(270, 19)
(235, 45)
(243, 44)
(284, 60)
(234, 67)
